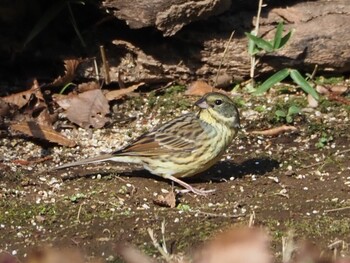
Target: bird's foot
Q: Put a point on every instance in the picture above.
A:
(196, 191)
(189, 188)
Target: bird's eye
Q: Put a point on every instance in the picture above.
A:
(218, 102)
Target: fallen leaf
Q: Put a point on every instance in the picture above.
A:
(88, 86)
(322, 89)
(338, 98)
(199, 88)
(117, 94)
(27, 162)
(236, 245)
(21, 99)
(69, 73)
(275, 131)
(86, 109)
(168, 201)
(4, 108)
(42, 132)
(313, 103)
(339, 89)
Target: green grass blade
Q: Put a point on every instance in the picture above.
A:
(285, 39)
(275, 78)
(299, 79)
(45, 19)
(260, 42)
(278, 36)
(251, 45)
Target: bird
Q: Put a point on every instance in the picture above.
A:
(184, 146)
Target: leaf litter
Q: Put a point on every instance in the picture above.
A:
(87, 109)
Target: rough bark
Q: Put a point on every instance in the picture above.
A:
(169, 16)
(321, 37)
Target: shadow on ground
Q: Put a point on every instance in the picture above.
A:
(220, 172)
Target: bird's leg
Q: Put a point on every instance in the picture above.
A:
(189, 187)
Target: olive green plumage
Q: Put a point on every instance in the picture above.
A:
(184, 146)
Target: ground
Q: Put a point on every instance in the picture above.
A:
(296, 180)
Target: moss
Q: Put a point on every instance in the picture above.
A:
(329, 81)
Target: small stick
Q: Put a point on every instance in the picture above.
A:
(251, 219)
(218, 215)
(105, 64)
(79, 211)
(223, 56)
(96, 70)
(337, 209)
(165, 255)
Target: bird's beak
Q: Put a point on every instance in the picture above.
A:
(202, 103)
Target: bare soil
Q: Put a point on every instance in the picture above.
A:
(284, 182)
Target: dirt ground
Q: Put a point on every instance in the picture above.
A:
(294, 181)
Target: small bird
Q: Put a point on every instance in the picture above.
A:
(184, 146)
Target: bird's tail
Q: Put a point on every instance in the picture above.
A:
(101, 158)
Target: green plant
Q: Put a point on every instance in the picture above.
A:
(324, 140)
(287, 115)
(259, 45)
(281, 75)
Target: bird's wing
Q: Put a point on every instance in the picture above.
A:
(178, 135)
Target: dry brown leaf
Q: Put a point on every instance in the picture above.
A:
(117, 94)
(20, 99)
(338, 98)
(322, 89)
(86, 109)
(27, 162)
(339, 89)
(42, 132)
(312, 102)
(168, 201)
(236, 245)
(88, 86)
(4, 108)
(335, 89)
(199, 88)
(69, 73)
(275, 131)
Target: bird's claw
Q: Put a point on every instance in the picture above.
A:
(196, 191)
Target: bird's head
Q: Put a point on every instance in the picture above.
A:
(217, 107)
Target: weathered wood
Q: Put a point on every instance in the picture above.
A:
(169, 16)
(321, 37)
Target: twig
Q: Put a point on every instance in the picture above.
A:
(105, 64)
(311, 165)
(217, 215)
(223, 57)
(253, 61)
(314, 72)
(251, 219)
(165, 255)
(344, 151)
(337, 209)
(275, 131)
(79, 211)
(96, 70)
(163, 237)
